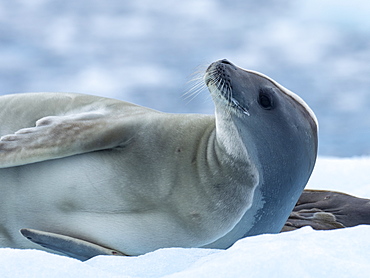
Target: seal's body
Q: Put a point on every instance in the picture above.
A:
(109, 176)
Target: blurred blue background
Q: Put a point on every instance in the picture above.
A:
(146, 52)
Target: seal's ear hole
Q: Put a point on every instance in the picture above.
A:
(266, 98)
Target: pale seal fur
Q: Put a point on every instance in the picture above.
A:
(104, 176)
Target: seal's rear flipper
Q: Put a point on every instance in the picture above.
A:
(73, 247)
(326, 210)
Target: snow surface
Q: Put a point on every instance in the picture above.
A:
(301, 253)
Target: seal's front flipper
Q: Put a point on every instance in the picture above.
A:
(72, 247)
(60, 136)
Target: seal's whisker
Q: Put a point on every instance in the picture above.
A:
(191, 96)
(197, 87)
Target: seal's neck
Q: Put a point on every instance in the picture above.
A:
(228, 138)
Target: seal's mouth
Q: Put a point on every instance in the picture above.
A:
(236, 104)
(220, 87)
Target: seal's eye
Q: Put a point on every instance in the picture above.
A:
(266, 98)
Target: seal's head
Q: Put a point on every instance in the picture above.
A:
(275, 130)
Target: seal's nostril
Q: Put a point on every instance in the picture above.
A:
(225, 61)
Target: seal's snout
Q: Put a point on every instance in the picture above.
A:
(223, 62)
(227, 63)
